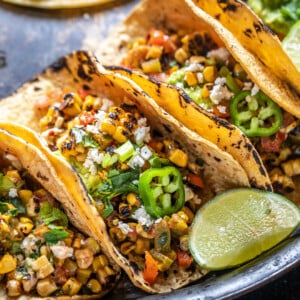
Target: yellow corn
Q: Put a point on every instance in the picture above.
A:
(195, 59)
(119, 134)
(7, 264)
(29, 284)
(71, 266)
(92, 244)
(4, 227)
(43, 267)
(291, 167)
(142, 245)
(44, 250)
(190, 78)
(25, 195)
(108, 126)
(177, 224)
(88, 102)
(151, 66)
(205, 91)
(142, 232)
(179, 158)
(14, 176)
(14, 288)
(109, 271)
(84, 257)
(127, 247)
(189, 214)
(71, 287)
(94, 285)
(46, 287)
(83, 275)
(154, 52)
(133, 200)
(77, 243)
(117, 234)
(99, 262)
(26, 228)
(210, 73)
(181, 55)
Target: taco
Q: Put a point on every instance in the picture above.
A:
(145, 174)
(57, 4)
(184, 46)
(42, 254)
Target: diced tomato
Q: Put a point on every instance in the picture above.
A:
(151, 268)
(222, 109)
(184, 259)
(273, 145)
(86, 117)
(159, 38)
(195, 180)
(287, 119)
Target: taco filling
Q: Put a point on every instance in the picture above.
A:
(41, 253)
(145, 187)
(214, 80)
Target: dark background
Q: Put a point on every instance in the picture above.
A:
(31, 39)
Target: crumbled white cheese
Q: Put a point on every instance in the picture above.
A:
(62, 252)
(13, 193)
(100, 115)
(142, 134)
(106, 104)
(220, 91)
(189, 194)
(92, 128)
(247, 85)
(125, 228)
(136, 161)
(59, 122)
(29, 244)
(220, 54)
(146, 153)
(200, 77)
(143, 217)
(254, 90)
(93, 158)
(195, 67)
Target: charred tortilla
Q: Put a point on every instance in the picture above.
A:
(38, 257)
(81, 73)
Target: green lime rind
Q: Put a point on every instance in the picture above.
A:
(238, 225)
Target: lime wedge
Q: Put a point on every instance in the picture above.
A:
(238, 225)
(291, 44)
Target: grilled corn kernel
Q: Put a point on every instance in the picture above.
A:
(99, 262)
(142, 245)
(4, 227)
(291, 167)
(25, 195)
(181, 55)
(14, 176)
(92, 244)
(29, 284)
(120, 134)
(94, 285)
(142, 232)
(71, 266)
(14, 288)
(46, 287)
(210, 73)
(117, 234)
(71, 287)
(88, 103)
(154, 52)
(83, 275)
(25, 228)
(191, 78)
(184, 242)
(43, 267)
(77, 242)
(127, 247)
(7, 264)
(44, 250)
(151, 66)
(84, 257)
(109, 271)
(190, 215)
(108, 126)
(177, 224)
(179, 158)
(133, 200)
(205, 91)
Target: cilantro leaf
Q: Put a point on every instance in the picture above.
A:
(51, 214)
(55, 235)
(84, 138)
(3, 208)
(16, 202)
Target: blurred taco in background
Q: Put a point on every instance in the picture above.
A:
(42, 253)
(213, 59)
(144, 173)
